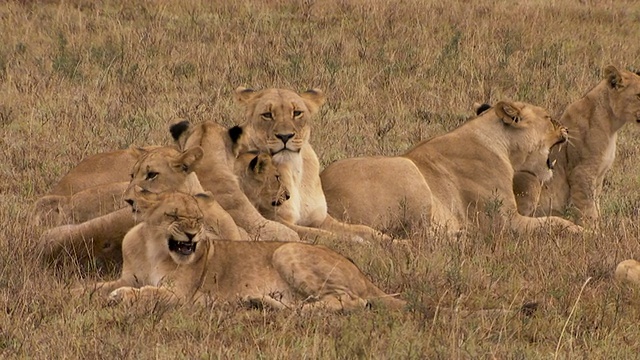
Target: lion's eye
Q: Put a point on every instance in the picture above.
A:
(278, 178)
(171, 215)
(267, 116)
(297, 114)
(131, 175)
(152, 175)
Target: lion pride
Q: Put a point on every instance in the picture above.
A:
(451, 180)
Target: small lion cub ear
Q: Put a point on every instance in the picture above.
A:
(259, 163)
(243, 95)
(314, 99)
(508, 112)
(613, 76)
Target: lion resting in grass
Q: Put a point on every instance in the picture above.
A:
(451, 180)
(580, 167)
(157, 170)
(172, 257)
(216, 173)
(93, 188)
(628, 271)
(277, 121)
(259, 179)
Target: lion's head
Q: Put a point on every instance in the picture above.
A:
(260, 180)
(624, 93)
(177, 223)
(532, 133)
(277, 120)
(164, 169)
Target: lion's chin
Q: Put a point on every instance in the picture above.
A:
(284, 150)
(184, 248)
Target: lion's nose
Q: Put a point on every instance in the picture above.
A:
(190, 236)
(129, 201)
(284, 137)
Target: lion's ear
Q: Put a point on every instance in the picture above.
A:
(613, 76)
(508, 112)
(480, 108)
(259, 163)
(243, 95)
(314, 99)
(189, 158)
(138, 152)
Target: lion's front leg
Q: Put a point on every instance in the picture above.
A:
(362, 232)
(525, 224)
(527, 189)
(147, 295)
(101, 236)
(101, 289)
(583, 188)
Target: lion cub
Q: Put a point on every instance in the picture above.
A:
(172, 257)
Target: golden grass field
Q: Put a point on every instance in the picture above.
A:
(79, 77)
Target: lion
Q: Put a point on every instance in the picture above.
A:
(216, 173)
(172, 256)
(628, 271)
(580, 167)
(157, 170)
(91, 189)
(451, 180)
(260, 180)
(277, 121)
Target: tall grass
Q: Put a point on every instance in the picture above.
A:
(79, 77)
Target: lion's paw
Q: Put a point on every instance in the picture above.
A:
(124, 294)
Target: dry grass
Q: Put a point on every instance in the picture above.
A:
(79, 77)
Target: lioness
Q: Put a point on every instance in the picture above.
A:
(449, 180)
(593, 124)
(159, 169)
(92, 188)
(171, 256)
(277, 121)
(628, 271)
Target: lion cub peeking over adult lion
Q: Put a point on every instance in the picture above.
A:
(278, 122)
(451, 180)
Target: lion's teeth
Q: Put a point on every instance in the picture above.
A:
(553, 163)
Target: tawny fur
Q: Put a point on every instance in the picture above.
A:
(279, 275)
(452, 180)
(159, 169)
(216, 173)
(582, 164)
(277, 121)
(628, 271)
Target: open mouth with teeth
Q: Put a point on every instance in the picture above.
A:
(182, 247)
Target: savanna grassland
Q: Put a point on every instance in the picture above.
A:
(80, 77)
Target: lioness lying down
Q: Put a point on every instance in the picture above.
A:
(159, 169)
(172, 257)
(628, 271)
(91, 189)
(581, 166)
(451, 180)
